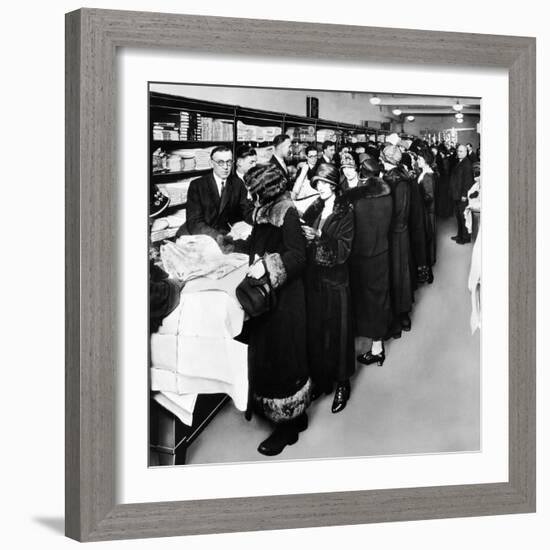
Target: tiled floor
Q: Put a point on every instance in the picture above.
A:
(425, 399)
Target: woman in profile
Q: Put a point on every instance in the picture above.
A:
(280, 384)
(329, 231)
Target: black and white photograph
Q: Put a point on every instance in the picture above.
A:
(314, 274)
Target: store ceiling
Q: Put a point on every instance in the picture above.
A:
(429, 105)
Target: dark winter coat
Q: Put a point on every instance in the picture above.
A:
(370, 258)
(277, 339)
(400, 255)
(443, 202)
(427, 189)
(284, 170)
(461, 179)
(329, 320)
(417, 229)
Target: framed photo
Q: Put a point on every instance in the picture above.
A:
(157, 88)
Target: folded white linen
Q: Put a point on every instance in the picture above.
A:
(194, 350)
(181, 406)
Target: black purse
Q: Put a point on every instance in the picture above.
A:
(256, 296)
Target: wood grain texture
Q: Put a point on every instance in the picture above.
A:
(92, 37)
(72, 278)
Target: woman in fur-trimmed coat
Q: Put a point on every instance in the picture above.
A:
(329, 229)
(370, 260)
(277, 339)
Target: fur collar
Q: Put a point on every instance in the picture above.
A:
(371, 188)
(399, 173)
(274, 212)
(341, 206)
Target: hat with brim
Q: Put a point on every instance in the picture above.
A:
(326, 172)
(370, 167)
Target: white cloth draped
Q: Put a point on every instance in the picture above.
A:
(194, 350)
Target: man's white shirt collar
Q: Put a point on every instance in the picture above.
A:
(219, 182)
(281, 161)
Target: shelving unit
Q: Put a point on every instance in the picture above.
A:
(255, 127)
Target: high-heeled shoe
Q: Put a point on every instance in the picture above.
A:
(369, 358)
(341, 396)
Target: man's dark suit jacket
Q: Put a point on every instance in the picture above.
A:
(208, 214)
(275, 161)
(461, 179)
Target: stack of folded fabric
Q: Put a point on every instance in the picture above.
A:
(202, 158)
(176, 191)
(194, 351)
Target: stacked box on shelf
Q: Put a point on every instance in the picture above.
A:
(206, 128)
(307, 133)
(326, 135)
(165, 131)
(202, 158)
(227, 130)
(197, 136)
(247, 132)
(184, 125)
(177, 191)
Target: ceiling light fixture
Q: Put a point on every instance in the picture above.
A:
(459, 116)
(396, 112)
(375, 100)
(458, 106)
(410, 118)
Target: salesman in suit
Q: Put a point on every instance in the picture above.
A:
(218, 200)
(460, 181)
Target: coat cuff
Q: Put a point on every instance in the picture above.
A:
(275, 269)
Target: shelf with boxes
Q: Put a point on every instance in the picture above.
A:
(183, 133)
(185, 130)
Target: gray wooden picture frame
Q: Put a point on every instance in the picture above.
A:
(92, 39)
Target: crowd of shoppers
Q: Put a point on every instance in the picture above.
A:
(345, 237)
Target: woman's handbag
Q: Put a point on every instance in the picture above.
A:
(256, 296)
